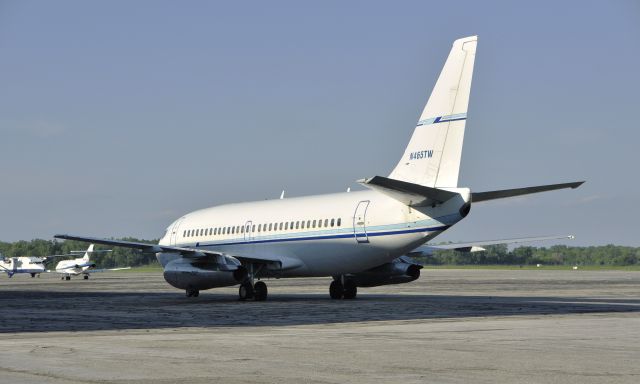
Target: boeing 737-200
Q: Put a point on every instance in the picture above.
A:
(360, 237)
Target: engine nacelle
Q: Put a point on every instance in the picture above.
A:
(400, 270)
(193, 274)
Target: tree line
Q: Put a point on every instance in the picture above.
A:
(493, 255)
(527, 255)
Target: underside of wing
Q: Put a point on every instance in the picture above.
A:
(275, 262)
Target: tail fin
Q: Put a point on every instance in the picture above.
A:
(432, 157)
(87, 253)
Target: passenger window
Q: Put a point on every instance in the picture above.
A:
(291, 226)
(297, 225)
(326, 222)
(308, 223)
(286, 226)
(302, 224)
(253, 228)
(242, 229)
(339, 222)
(333, 221)
(281, 226)
(184, 233)
(314, 224)
(320, 223)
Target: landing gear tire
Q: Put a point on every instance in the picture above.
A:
(86, 277)
(350, 290)
(33, 275)
(336, 290)
(260, 291)
(67, 277)
(192, 292)
(245, 291)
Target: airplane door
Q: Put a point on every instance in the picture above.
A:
(248, 231)
(359, 222)
(173, 236)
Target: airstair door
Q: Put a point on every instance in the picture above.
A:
(359, 222)
(248, 231)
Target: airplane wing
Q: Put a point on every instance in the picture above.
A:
(107, 269)
(189, 253)
(476, 246)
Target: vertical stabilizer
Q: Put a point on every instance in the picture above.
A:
(432, 157)
(88, 253)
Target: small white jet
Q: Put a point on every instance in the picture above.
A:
(360, 237)
(81, 266)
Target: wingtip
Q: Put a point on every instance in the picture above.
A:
(577, 184)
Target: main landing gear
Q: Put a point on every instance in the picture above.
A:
(257, 292)
(342, 288)
(192, 292)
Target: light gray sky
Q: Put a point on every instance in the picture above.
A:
(118, 117)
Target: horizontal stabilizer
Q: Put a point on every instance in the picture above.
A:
(477, 197)
(413, 195)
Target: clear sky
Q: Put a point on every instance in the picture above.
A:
(117, 117)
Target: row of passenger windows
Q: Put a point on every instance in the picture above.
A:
(270, 227)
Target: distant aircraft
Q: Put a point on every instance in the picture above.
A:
(344, 235)
(81, 266)
(22, 264)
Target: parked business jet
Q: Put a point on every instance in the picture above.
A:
(358, 237)
(81, 266)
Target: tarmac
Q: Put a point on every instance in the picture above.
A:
(450, 326)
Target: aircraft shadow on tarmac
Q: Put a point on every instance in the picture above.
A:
(97, 311)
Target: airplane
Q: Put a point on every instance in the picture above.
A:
(23, 264)
(81, 266)
(350, 236)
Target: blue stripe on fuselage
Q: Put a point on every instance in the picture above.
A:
(325, 237)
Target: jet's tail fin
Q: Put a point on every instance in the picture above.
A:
(432, 157)
(87, 253)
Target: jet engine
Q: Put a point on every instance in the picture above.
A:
(197, 274)
(401, 270)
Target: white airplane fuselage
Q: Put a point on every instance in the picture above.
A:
(73, 267)
(23, 264)
(374, 229)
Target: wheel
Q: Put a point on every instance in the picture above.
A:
(192, 292)
(33, 275)
(245, 291)
(86, 277)
(260, 291)
(336, 290)
(350, 290)
(67, 277)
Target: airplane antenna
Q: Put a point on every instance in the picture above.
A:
(282, 195)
